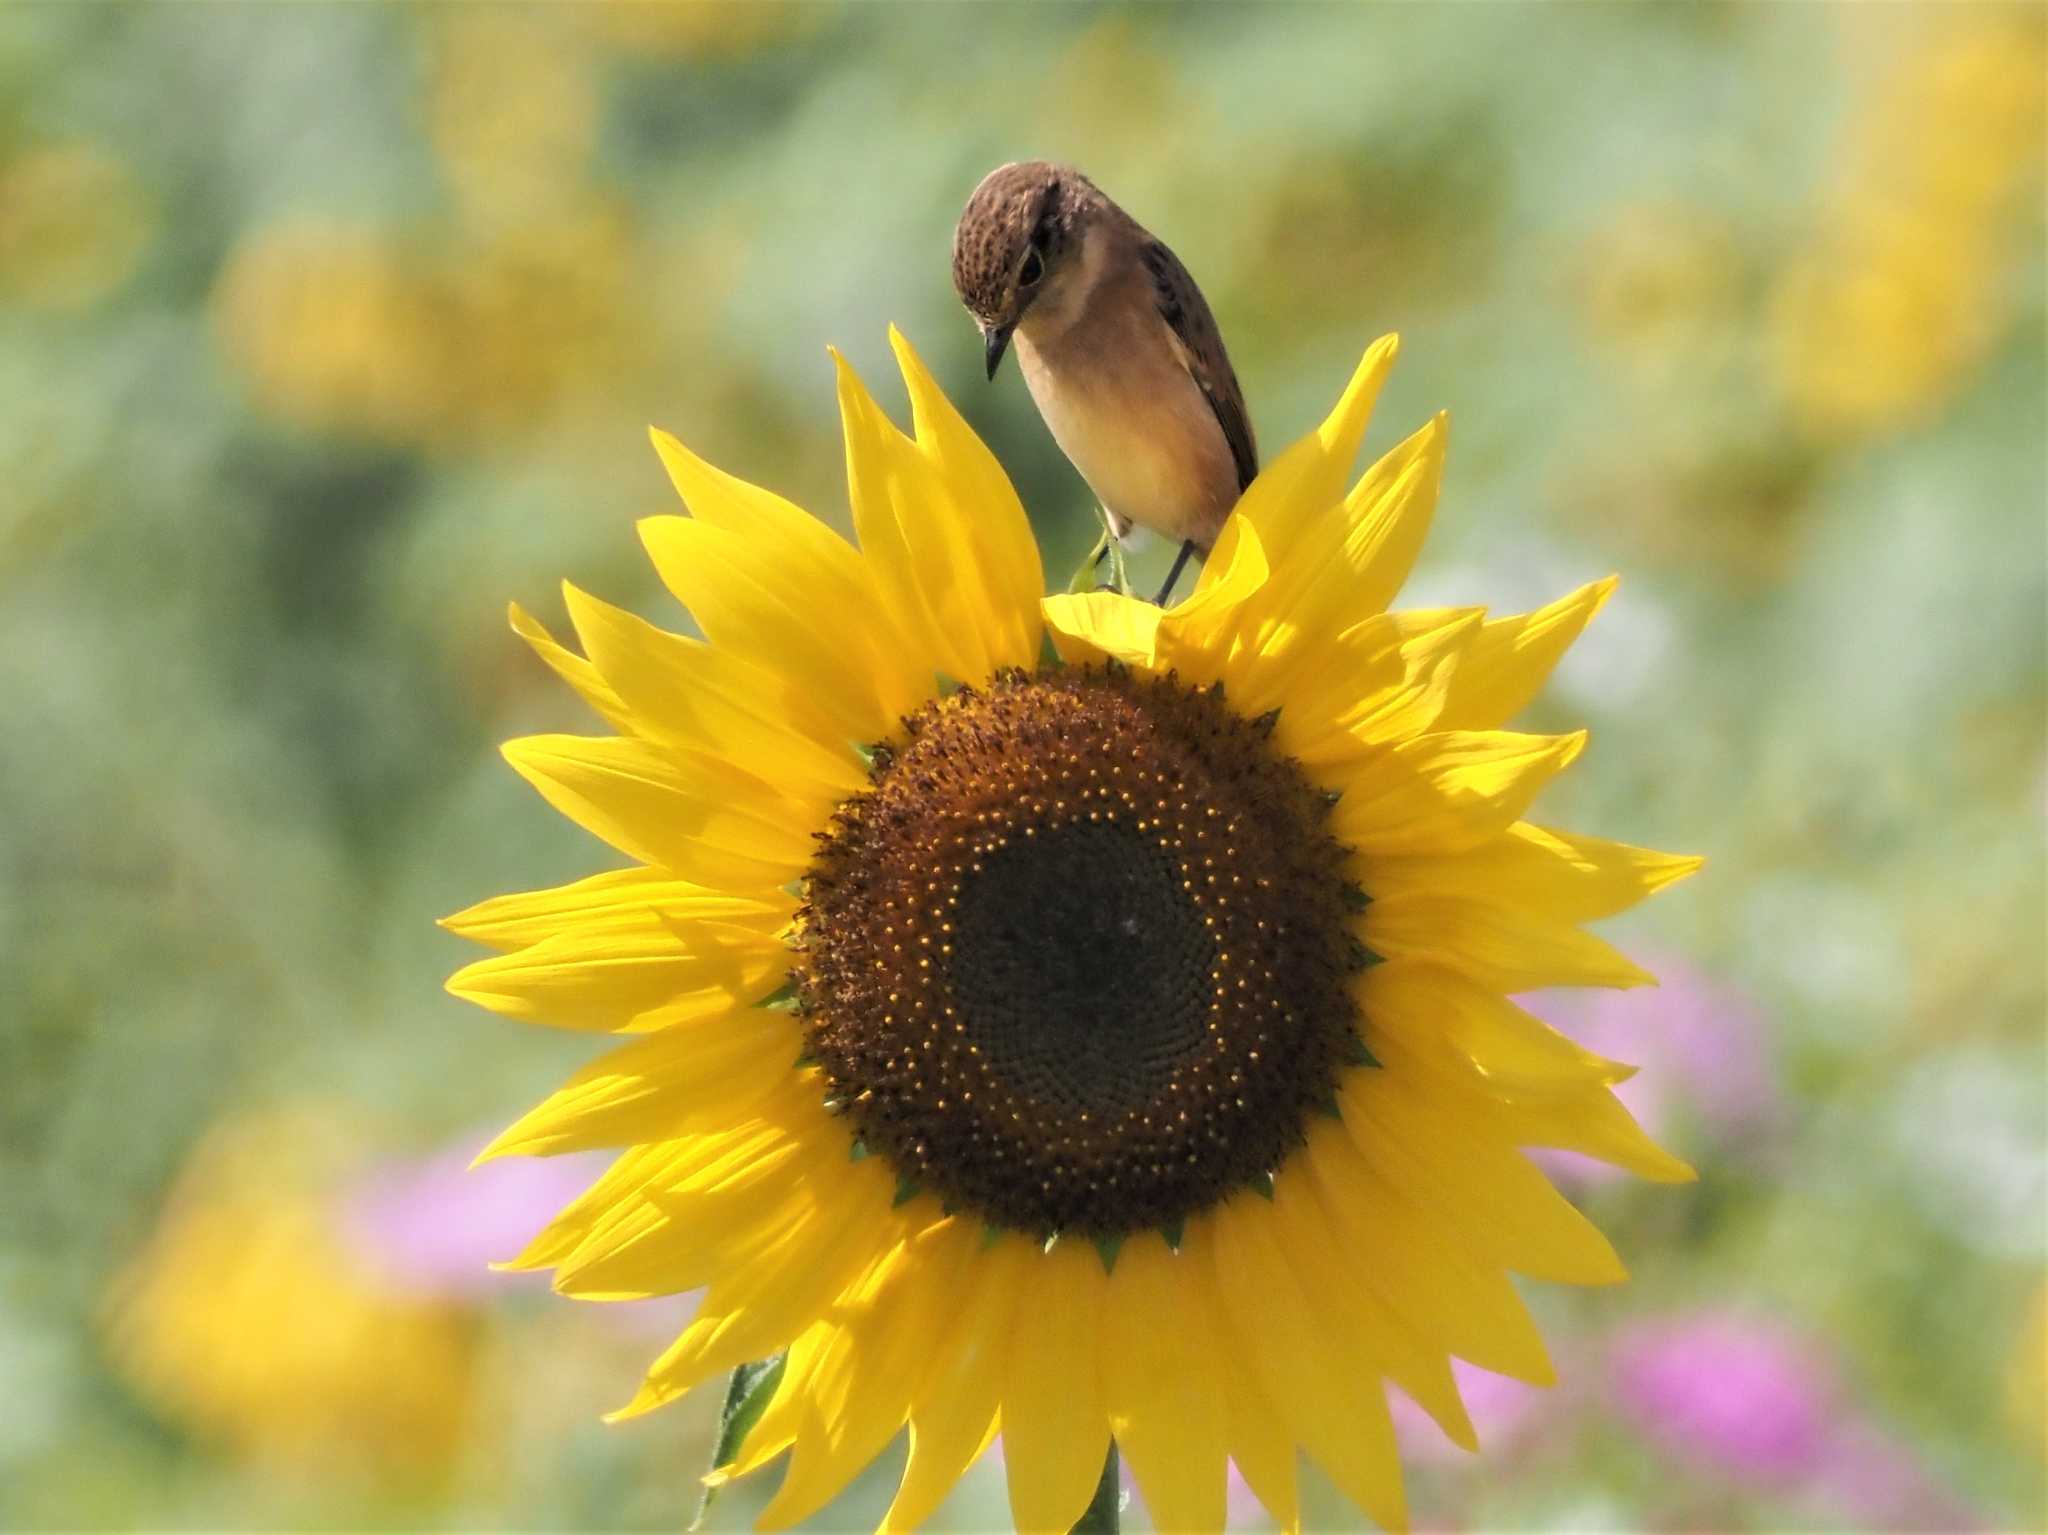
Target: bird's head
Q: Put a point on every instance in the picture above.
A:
(1013, 244)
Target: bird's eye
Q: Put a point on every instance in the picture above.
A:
(1032, 270)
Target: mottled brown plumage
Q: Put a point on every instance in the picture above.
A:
(1116, 344)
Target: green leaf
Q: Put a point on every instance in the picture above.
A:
(747, 1396)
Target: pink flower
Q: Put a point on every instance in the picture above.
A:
(1750, 1401)
(436, 1226)
(1727, 1394)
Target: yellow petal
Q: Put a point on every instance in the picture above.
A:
(1261, 1447)
(997, 535)
(954, 1415)
(696, 696)
(1489, 1197)
(699, 817)
(1503, 946)
(619, 1206)
(631, 980)
(781, 561)
(1581, 1116)
(1193, 636)
(622, 898)
(1449, 791)
(1512, 658)
(1055, 1427)
(1086, 626)
(680, 1213)
(1383, 679)
(1515, 1054)
(1164, 1396)
(679, 1082)
(754, 1309)
(1368, 1330)
(822, 636)
(863, 1389)
(1331, 1401)
(1304, 484)
(1573, 878)
(575, 671)
(1380, 531)
(1438, 1287)
(912, 540)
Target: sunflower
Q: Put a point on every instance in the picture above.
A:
(1067, 1017)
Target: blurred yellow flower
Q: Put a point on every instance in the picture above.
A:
(247, 1320)
(2027, 1385)
(333, 329)
(454, 344)
(1658, 282)
(72, 224)
(1902, 291)
(512, 108)
(1114, 1045)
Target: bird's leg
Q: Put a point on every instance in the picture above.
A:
(1179, 564)
(1108, 547)
(1084, 578)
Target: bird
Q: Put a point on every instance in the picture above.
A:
(1118, 348)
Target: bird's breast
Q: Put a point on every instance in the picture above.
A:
(1137, 427)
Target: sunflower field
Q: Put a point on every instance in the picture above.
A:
(975, 1050)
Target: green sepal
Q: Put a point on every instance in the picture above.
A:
(1109, 1247)
(1357, 1052)
(907, 1189)
(784, 998)
(859, 1151)
(1262, 1185)
(1330, 798)
(835, 1105)
(990, 1235)
(1361, 957)
(747, 1395)
(947, 686)
(1174, 1231)
(1266, 722)
(1355, 898)
(1328, 1106)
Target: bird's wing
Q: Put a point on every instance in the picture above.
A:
(1200, 345)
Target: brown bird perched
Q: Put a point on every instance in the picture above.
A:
(1117, 346)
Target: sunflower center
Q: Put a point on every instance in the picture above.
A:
(1079, 959)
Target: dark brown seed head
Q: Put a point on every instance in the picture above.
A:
(1080, 960)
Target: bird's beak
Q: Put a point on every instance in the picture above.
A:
(994, 341)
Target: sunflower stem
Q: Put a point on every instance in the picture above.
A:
(1105, 1509)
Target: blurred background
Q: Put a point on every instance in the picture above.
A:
(326, 331)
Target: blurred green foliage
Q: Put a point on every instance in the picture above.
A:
(325, 331)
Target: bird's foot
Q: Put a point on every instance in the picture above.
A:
(1179, 564)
